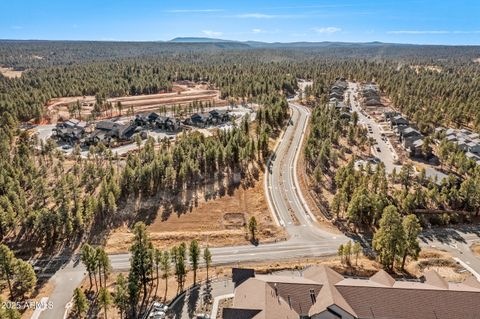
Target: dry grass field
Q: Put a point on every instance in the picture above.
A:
(10, 73)
(476, 249)
(216, 222)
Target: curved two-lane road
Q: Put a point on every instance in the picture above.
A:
(286, 202)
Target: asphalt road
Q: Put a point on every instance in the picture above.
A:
(306, 238)
(387, 153)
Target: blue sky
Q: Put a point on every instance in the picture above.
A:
(407, 21)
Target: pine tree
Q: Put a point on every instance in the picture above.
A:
(25, 278)
(7, 266)
(88, 257)
(207, 258)
(104, 300)
(121, 295)
(252, 227)
(389, 240)
(194, 254)
(140, 260)
(340, 252)
(80, 303)
(357, 249)
(411, 228)
(165, 266)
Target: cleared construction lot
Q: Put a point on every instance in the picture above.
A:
(57, 109)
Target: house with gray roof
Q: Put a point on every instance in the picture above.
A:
(398, 120)
(70, 131)
(473, 147)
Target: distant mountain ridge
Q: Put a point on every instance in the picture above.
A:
(200, 40)
(303, 44)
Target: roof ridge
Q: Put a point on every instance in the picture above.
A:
(383, 278)
(433, 278)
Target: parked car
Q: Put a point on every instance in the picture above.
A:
(378, 149)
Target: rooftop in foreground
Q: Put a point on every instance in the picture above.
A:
(323, 293)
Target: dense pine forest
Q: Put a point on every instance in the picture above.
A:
(44, 197)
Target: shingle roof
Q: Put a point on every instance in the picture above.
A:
(432, 278)
(383, 278)
(322, 274)
(323, 290)
(375, 302)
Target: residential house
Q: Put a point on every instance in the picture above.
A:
(70, 131)
(389, 115)
(473, 147)
(219, 116)
(166, 123)
(408, 142)
(124, 131)
(345, 116)
(462, 144)
(451, 138)
(200, 119)
(473, 136)
(107, 130)
(472, 156)
(416, 150)
(408, 132)
(398, 120)
(372, 101)
(322, 293)
(450, 131)
(336, 95)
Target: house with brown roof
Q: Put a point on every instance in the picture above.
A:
(322, 293)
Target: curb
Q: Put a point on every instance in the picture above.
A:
(216, 301)
(295, 175)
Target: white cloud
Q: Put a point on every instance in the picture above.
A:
(328, 30)
(210, 33)
(432, 32)
(193, 10)
(257, 31)
(256, 15)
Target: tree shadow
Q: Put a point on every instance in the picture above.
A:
(449, 235)
(192, 301)
(176, 311)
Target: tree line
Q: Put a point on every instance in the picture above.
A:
(132, 294)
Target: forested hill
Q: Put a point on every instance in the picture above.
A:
(433, 85)
(32, 53)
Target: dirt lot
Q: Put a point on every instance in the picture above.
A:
(476, 249)
(218, 222)
(419, 68)
(57, 108)
(441, 262)
(10, 73)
